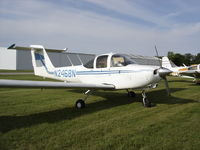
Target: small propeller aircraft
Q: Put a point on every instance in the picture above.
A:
(192, 71)
(175, 69)
(107, 71)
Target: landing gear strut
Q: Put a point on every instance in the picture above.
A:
(146, 102)
(80, 103)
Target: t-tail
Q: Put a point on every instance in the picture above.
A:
(42, 65)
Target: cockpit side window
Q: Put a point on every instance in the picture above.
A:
(101, 61)
(120, 61)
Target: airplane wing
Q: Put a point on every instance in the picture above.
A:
(51, 84)
(192, 73)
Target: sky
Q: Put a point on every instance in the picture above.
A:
(102, 26)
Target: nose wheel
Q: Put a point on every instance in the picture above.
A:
(145, 100)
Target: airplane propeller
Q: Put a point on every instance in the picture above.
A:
(163, 72)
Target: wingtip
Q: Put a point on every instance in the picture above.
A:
(11, 46)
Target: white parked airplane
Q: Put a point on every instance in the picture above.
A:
(107, 71)
(175, 69)
(192, 71)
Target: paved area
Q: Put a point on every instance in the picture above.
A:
(15, 73)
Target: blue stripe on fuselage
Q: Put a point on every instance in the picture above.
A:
(109, 72)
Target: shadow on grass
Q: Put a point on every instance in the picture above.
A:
(112, 99)
(182, 80)
(191, 82)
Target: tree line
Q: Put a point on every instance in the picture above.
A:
(187, 59)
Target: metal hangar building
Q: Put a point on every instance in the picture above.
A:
(21, 60)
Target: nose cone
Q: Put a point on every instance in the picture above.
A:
(163, 72)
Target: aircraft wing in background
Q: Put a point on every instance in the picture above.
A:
(192, 73)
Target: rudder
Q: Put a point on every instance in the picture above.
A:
(41, 63)
(166, 63)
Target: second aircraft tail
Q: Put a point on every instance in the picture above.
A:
(166, 63)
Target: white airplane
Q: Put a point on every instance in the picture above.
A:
(107, 71)
(192, 71)
(175, 69)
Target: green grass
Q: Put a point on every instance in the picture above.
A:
(46, 119)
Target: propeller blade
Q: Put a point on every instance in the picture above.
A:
(158, 56)
(167, 86)
(163, 72)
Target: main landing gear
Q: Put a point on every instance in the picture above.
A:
(146, 102)
(131, 93)
(80, 103)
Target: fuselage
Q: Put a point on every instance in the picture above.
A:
(115, 69)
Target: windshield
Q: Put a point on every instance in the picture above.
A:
(89, 64)
(119, 60)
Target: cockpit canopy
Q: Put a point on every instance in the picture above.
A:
(120, 60)
(110, 60)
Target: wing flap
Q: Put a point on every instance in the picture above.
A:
(50, 84)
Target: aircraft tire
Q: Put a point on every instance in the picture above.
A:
(80, 104)
(146, 102)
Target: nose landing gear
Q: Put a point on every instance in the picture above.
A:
(146, 102)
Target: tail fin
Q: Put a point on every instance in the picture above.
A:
(40, 60)
(166, 63)
(41, 63)
(184, 65)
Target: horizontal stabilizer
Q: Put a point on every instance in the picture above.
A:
(13, 46)
(50, 84)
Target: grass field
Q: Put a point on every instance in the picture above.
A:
(46, 119)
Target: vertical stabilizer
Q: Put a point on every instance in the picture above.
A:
(41, 63)
(166, 63)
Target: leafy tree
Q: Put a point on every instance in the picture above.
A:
(170, 55)
(197, 59)
(187, 59)
(179, 59)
